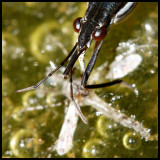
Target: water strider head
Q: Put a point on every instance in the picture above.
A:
(88, 30)
(98, 17)
(95, 23)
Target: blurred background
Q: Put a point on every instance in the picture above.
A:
(35, 33)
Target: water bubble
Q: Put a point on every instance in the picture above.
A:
(24, 143)
(105, 127)
(132, 141)
(93, 148)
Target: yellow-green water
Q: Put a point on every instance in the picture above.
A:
(35, 33)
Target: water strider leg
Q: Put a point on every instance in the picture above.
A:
(73, 100)
(72, 62)
(90, 67)
(50, 74)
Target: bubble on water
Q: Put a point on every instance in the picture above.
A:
(132, 141)
(94, 148)
(24, 143)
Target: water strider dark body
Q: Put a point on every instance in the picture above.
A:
(97, 20)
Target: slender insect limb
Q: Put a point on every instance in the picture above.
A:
(91, 62)
(73, 100)
(72, 61)
(94, 86)
(82, 62)
(50, 74)
(90, 67)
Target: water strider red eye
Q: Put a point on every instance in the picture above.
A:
(77, 24)
(99, 34)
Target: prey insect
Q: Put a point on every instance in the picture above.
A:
(94, 25)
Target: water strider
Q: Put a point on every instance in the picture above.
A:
(94, 25)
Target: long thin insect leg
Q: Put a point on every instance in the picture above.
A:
(90, 67)
(107, 84)
(72, 62)
(50, 74)
(73, 100)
